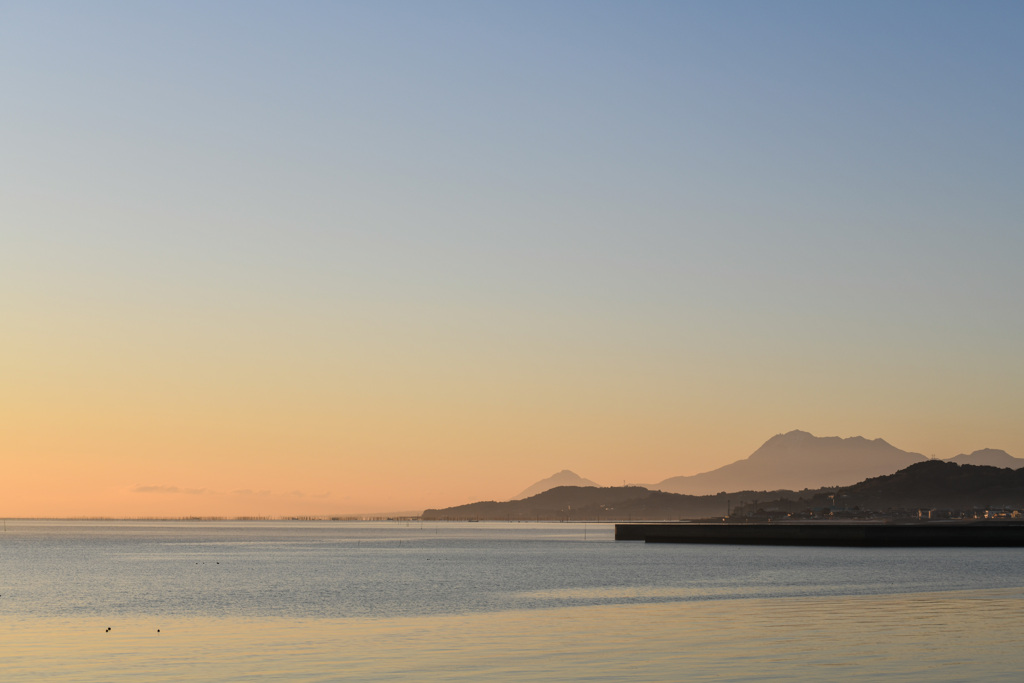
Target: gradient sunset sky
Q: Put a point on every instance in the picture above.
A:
(265, 258)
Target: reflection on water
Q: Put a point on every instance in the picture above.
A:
(500, 602)
(967, 635)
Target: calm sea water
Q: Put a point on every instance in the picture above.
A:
(334, 601)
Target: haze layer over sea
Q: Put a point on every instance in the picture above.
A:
(396, 601)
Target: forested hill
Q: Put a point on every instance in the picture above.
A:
(931, 484)
(604, 503)
(940, 484)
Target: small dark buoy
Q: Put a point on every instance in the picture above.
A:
(158, 630)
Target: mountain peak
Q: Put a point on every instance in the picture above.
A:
(797, 460)
(993, 457)
(563, 478)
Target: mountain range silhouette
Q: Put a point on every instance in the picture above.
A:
(794, 461)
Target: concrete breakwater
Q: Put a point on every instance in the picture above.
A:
(977, 534)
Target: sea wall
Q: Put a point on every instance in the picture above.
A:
(841, 534)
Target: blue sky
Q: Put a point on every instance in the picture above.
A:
(703, 222)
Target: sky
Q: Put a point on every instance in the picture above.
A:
(268, 259)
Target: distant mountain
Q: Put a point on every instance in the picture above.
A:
(798, 460)
(563, 478)
(926, 484)
(992, 457)
(615, 503)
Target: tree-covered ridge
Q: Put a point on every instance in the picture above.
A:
(593, 503)
(926, 485)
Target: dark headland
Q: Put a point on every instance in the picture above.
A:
(932, 490)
